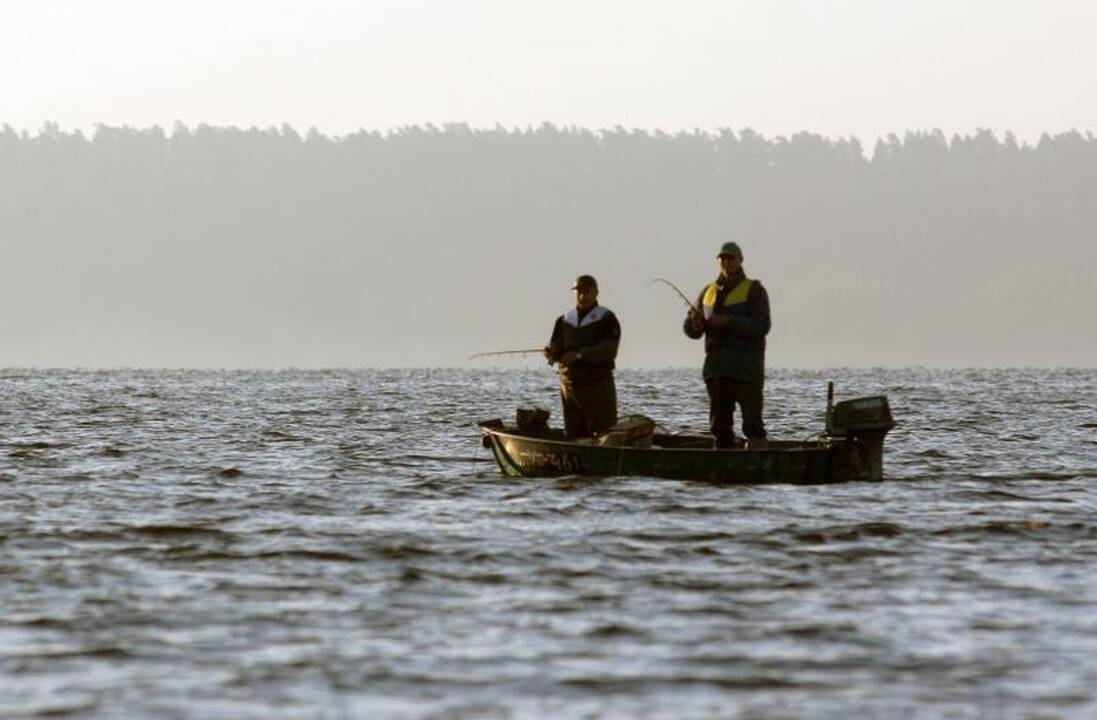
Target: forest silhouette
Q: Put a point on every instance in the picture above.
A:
(227, 247)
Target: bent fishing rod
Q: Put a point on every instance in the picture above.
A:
(681, 294)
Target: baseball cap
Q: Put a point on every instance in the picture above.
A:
(730, 248)
(585, 281)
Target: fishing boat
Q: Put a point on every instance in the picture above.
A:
(850, 448)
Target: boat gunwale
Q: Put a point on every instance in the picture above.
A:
(804, 446)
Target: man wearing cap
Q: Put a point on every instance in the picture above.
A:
(733, 315)
(584, 346)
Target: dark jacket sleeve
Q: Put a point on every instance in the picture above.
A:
(605, 350)
(687, 327)
(556, 342)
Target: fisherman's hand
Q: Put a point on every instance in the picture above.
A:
(718, 321)
(569, 357)
(550, 354)
(696, 320)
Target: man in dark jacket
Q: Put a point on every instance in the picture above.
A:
(584, 345)
(733, 315)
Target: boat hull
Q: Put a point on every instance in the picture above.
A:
(826, 460)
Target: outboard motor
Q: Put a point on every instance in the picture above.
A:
(861, 417)
(860, 425)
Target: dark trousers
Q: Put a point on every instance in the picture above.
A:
(723, 394)
(588, 409)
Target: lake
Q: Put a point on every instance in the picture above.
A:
(337, 544)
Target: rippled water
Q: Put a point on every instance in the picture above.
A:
(338, 545)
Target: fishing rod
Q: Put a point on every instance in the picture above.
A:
(506, 352)
(681, 294)
(531, 351)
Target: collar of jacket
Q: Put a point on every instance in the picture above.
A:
(737, 277)
(596, 313)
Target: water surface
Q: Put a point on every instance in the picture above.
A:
(338, 545)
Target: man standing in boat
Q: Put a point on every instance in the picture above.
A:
(733, 315)
(584, 346)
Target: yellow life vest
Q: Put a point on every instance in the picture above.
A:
(737, 296)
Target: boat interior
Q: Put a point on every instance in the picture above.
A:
(659, 439)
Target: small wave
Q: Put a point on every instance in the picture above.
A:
(1021, 528)
(1039, 475)
(441, 458)
(75, 704)
(577, 482)
(674, 537)
(33, 450)
(199, 500)
(852, 554)
(1002, 495)
(37, 445)
(485, 578)
(180, 531)
(282, 436)
(1000, 625)
(101, 409)
(403, 551)
(412, 575)
(849, 533)
(687, 509)
(332, 555)
(108, 652)
(90, 535)
(38, 621)
(615, 630)
(641, 682)
(815, 631)
(398, 462)
(693, 584)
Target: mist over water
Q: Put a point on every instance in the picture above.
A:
(337, 544)
(216, 247)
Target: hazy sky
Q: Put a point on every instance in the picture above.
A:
(843, 67)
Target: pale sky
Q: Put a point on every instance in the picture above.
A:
(839, 68)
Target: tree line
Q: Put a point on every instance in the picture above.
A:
(222, 245)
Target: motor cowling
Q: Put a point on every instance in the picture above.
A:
(860, 417)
